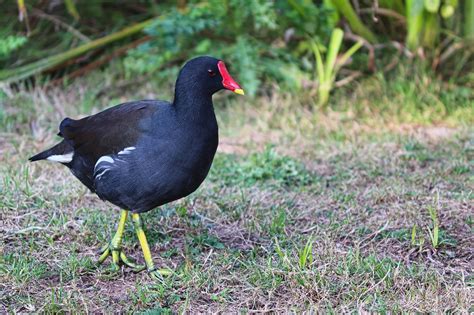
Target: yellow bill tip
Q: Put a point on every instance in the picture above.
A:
(239, 91)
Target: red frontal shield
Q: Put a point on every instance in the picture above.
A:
(227, 81)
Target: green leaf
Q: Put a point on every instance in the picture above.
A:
(319, 61)
(11, 43)
(334, 15)
(447, 11)
(71, 8)
(333, 49)
(203, 46)
(343, 59)
(328, 69)
(432, 6)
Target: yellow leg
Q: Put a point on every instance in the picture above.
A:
(146, 249)
(143, 241)
(114, 247)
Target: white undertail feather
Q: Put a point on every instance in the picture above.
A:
(64, 158)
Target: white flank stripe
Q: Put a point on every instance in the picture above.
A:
(104, 158)
(65, 158)
(98, 176)
(127, 150)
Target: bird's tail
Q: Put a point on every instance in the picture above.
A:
(61, 152)
(40, 156)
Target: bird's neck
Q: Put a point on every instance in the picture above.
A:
(193, 103)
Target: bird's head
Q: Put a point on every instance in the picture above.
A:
(209, 74)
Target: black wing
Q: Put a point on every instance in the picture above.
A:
(105, 133)
(109, 131)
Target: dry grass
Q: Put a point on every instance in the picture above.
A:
(237, 243)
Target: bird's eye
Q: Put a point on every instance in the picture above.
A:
(211, 73)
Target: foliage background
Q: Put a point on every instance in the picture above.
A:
(266, 42)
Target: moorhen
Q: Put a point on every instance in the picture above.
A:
(143, 154)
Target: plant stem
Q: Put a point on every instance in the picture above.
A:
(469, 19)
(414, 14)
(36, 67)
(345, 8)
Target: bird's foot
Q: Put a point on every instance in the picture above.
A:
(118, 258)
(157, 274)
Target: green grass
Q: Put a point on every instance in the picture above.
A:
(302, 210)
(261, 168)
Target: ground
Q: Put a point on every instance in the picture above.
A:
(341, 209)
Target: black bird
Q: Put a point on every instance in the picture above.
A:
(143, 154)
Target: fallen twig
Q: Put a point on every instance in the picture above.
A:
(101, 61)
(371, 236)
(60, 23)
(348, 79)
(356, 38)
(386, 12)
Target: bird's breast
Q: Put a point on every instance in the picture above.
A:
(183, 163)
